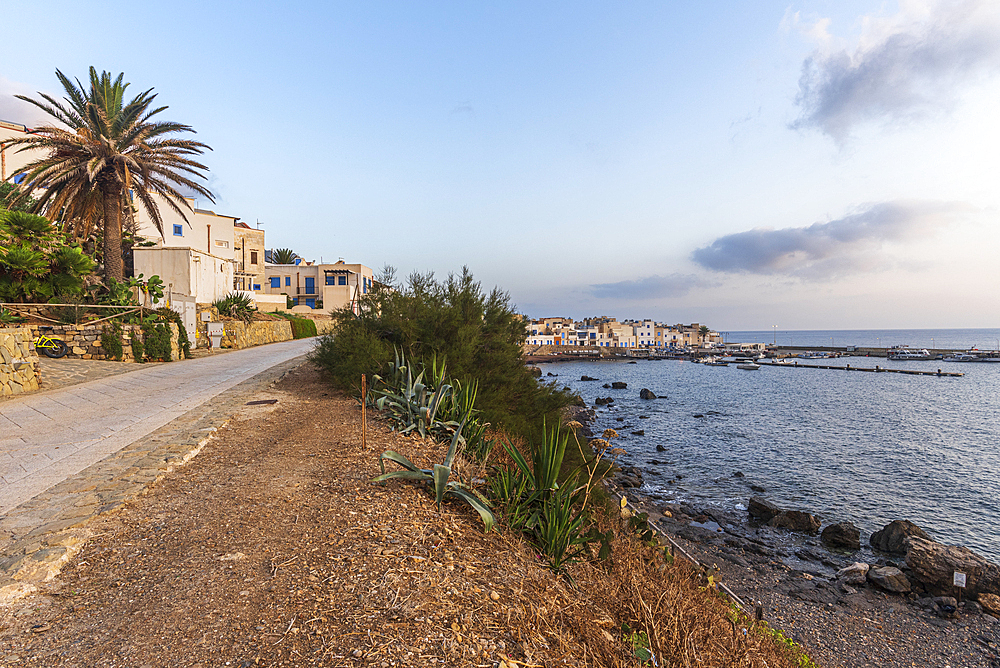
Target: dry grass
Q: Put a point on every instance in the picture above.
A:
(272, 548)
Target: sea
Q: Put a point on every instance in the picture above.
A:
(863, 447)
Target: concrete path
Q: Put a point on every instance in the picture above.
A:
(47, 437)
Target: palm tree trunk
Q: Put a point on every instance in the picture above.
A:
(113, 265)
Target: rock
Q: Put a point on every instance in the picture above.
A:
(934, 565)
(758, 488)
(890, 579)
(603, 402)
(762, 509)
(551, 374)
(946, 606)
(606, 386)
(891, 537)
(856, 574)
(641, 432)
(842, 536)
(618, 386)
(660, 447)
(535, 371)
(738, 474)
(795, 520)
(587, 378)
(646, 394)
(698, 415)
(973, 608)
(807, 554)
(990, 604)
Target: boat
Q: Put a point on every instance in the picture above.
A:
(715, 361)
(748, 366)
(907, 353)
(962, 357)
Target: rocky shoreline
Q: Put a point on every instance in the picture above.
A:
(845, 612)
(892, 603)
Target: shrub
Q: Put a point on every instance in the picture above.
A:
(156, 341)
(111, 341)
(479, 333)
(138, 349)
(302, 328)
(169, 315)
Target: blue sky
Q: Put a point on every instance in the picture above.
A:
(810, 164)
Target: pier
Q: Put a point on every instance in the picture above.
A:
(877, 369)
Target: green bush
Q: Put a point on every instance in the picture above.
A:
(302, 328)
(156, 341)
(237, 305)
(169, 315)
(479, 333)
(111, 341)
(138, 349)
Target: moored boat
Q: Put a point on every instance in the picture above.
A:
(748, 366)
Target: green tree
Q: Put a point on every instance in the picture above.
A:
(7, 195)
(36, 262)
(112, 150)
(478, 334)
(283, 256)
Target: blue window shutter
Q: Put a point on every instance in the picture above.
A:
(288, 280)
(256, 286)
(178, 230)
(275, 281)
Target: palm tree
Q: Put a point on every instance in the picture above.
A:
(111, 152)
(283, 256)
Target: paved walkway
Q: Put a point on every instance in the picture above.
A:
(50, 436)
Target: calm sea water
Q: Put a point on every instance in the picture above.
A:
(864, 447)
(956, 339)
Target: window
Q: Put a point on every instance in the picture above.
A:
(288, 280)
(342, 280)
(253, 257)
(221, 244)
(178, 230)
(275, 281)
(256, 287)
(331, 280)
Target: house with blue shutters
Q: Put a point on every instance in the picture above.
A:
(319, 286)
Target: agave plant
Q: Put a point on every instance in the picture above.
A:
(425, 408)
(236, 305)
(439, 478)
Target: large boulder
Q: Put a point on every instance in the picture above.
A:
(890, 579)
(892, 536)
(646, 394)
(842, 536)
(762, 509)
(855, 574)
(990, 603)
(618, 385)
(587, 378)
(599, 401)
(535, 371)
(795, 520)
(934, 565)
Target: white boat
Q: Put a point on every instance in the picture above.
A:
(962, 357)
(749, 366)
(715, 361)
(907, 353)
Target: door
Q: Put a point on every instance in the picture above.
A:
(311, 303)
(310, 285)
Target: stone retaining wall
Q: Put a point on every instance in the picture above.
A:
(84, 341)
(241, 335)
(19, 369)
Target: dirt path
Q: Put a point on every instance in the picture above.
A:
(272, 548)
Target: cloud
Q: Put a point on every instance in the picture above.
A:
(902, 67)
(822, 251)
(14, 110)
(651, 287)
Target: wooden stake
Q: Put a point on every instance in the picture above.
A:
(364, 405)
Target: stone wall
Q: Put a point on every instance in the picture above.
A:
(19, 369)
(84, 342)
(240, 335)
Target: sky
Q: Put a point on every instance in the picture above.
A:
(810, 165)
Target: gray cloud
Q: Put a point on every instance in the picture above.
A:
(651, 287)
(904, 67)
(826, 250)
